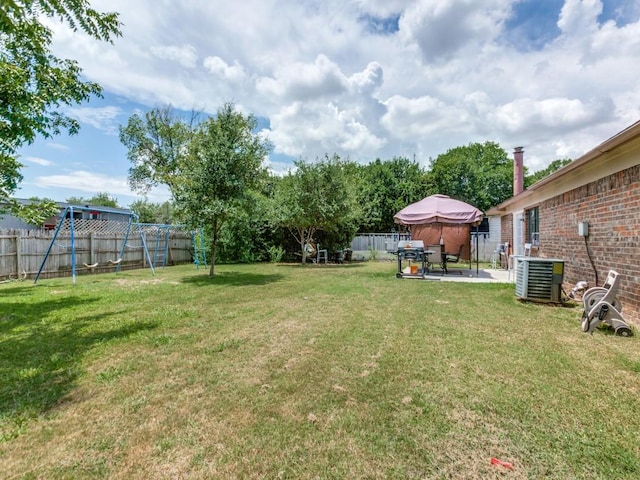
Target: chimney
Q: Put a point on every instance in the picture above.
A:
(518, 170)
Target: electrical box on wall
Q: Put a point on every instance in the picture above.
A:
(583, 229)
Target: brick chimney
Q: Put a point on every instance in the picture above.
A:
(518, 170)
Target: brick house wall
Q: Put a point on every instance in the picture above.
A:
(611, 206)
(506, 230)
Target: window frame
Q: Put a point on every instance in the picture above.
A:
(533, 226)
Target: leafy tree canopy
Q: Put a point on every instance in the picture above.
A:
(160, 213)
(545, 172)
(224, 163)
(388, 187)
(319, 197)
(157, 145)
(209, 167)
(34, 83)
(101, 199)
(479, 174)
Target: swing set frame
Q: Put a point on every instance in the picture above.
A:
(68, 214)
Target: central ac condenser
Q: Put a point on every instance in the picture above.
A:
(539, 279)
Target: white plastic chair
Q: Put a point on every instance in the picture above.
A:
(495, 256)
(321, 255)
(504, 254)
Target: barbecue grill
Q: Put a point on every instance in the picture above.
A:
(411, 251)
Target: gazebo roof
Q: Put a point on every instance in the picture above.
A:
(438, 209)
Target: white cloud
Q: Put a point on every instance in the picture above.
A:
(83, 183)
(367, 81)
(219, 67)
(38, 161)
(445, 28)
(102, 118)
(304, 81)
(548, 114)
(326, 84)
(58, 146)
(86, 182)
(184, 55)
(579, 16)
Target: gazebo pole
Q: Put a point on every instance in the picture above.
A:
(477, 253)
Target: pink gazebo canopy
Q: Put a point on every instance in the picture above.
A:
(438, 209)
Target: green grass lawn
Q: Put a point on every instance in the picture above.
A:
(283, 371)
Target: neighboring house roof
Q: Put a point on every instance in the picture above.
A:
(9, 221)
(63, 205)
(608, 157)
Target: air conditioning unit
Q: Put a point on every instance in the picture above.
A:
(539, 279)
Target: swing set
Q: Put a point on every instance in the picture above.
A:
(159, 249)
(199, 249)
(73, 221)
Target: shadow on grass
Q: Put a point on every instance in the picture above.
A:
(17, 290)
(321, 265)
(40, 355)
(234, 278)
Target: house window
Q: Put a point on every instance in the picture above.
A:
(533, 226)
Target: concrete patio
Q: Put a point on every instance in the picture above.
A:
(488, 275)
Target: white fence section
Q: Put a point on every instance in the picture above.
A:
(22, 252)
(379, 245)
(367, 246)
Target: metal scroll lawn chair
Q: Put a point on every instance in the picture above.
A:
(601, 305)
(448, 257)
(315, 254)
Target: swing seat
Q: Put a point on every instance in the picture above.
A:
(115, 262)
(90, 266)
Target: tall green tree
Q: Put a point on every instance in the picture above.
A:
(318, 197)
(210, 166)
(34, 82)
(479, 174)
(150, 212)
(224, 164)
(100, 199)
(545, 172)
(157, 145)
(387, 187)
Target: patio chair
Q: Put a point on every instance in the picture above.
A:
(448, 257)
(504, 256)
(321, 255)
(312, 252)
(454, 257)
(495, 255)
(601, 305)
(434, 258)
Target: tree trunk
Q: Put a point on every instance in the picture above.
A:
(303, 244)
(306, 237)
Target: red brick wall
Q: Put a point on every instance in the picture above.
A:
(611, 206)
(506, 230)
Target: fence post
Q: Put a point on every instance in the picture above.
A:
(91, 247)
(18, 255)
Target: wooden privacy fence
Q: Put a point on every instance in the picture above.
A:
(387, 242)
(381, 242)
(22, 252)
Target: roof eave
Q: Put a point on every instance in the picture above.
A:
(613, 142)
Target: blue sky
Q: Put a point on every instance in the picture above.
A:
(365, 79)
